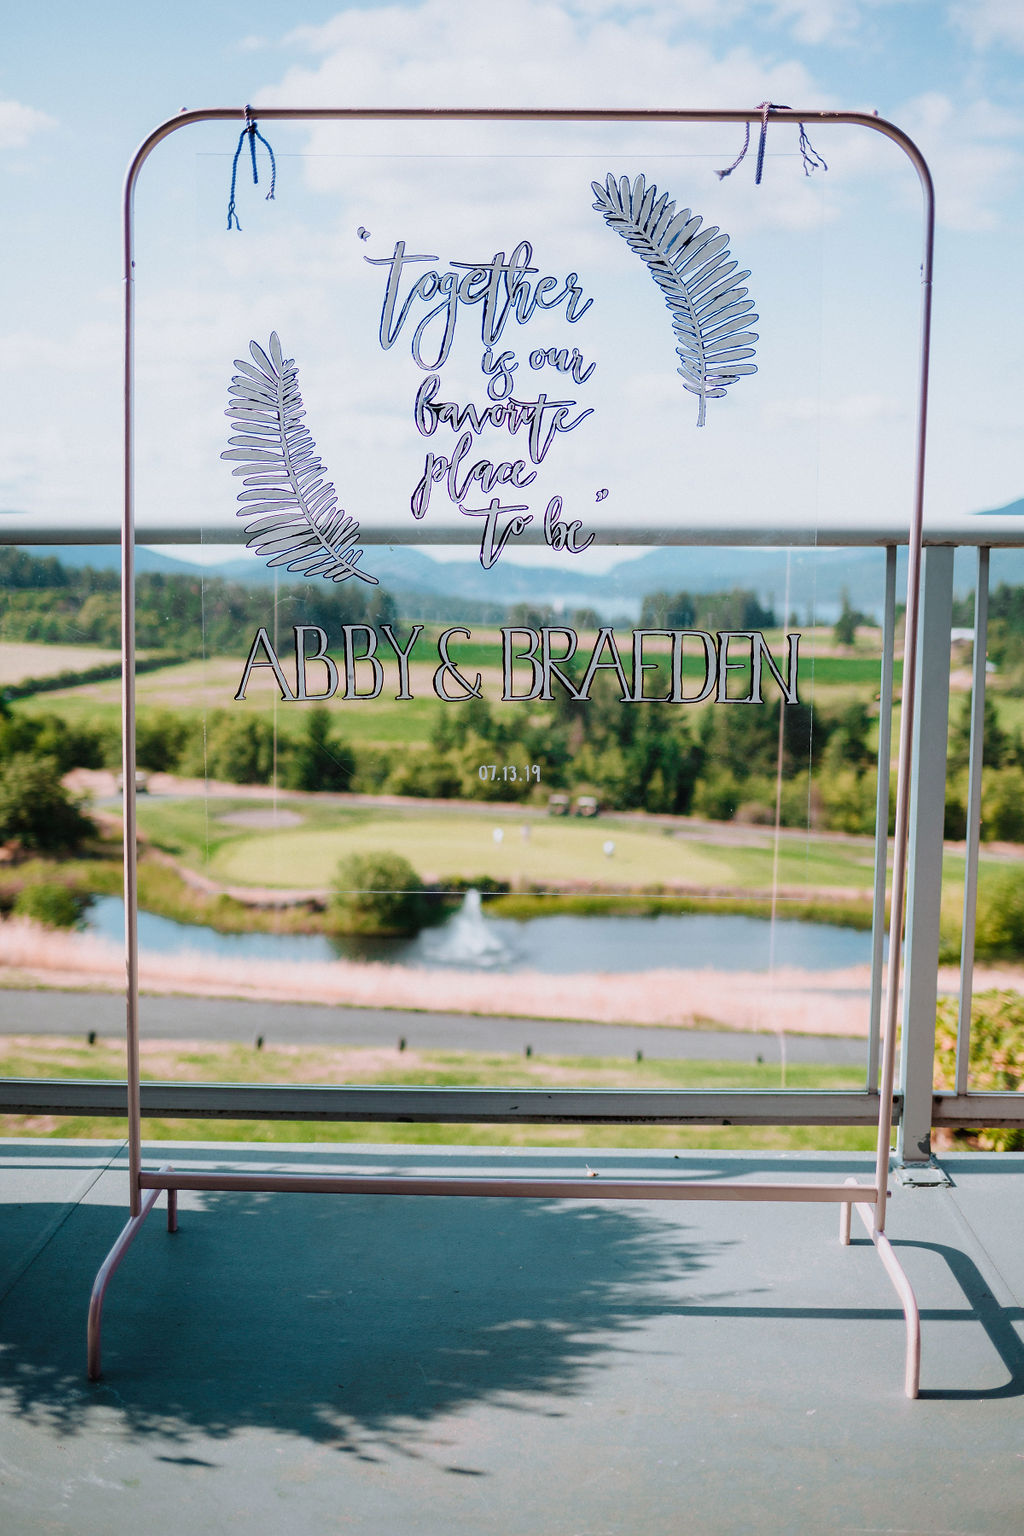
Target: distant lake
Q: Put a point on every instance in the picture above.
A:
(556, 945)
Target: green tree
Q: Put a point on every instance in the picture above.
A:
(240, 748)
(668, 610)
(161, 737)
(378, 893)
(996, 744)
(532, 615)
(845, 632)
(1002, 806)
(745, 740)
(320, 759)
(70, 746)
(739, 609)
(999, 921)
(849, 743)
(848, 799)
(36, 809)
(427, 774)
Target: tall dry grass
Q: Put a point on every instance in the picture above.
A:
(800, 1002)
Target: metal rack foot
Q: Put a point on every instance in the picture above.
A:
(107, 1270)
(897, 1274)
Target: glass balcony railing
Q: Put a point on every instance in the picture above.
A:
(790, 833)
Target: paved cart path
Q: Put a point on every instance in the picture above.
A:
(200, 1018)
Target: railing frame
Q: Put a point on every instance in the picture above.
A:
(954, 1109)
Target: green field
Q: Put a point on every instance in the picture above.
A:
(69, 1058)
(461, 843)
(23, 659)
(195, 688)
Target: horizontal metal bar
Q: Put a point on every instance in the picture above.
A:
(582, 115)
(532, 1106)
(990, 531)
(595, 1188)
(473, 1106)
(967, 1109)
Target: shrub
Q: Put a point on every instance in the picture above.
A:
(378, 893)
(425, 774)
(160, 739)
(36, 809)
(70, 746)
(239, 749)
(472, 786)
(954, 824)
(52, 905)
(996, 1055)
(372, 766)
(717, 796)
(1002, 805)
(999, 925)
(849, 800)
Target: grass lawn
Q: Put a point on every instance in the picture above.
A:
(53, 1057)
(462, 843)
(209, 683)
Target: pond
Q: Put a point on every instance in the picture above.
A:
(557, 945)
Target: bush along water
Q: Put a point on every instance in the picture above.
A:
(379, 894)
(996, 1058)
(53, 905)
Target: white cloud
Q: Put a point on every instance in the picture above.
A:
(972, 153)
(579, 54)
(991, 23)
(71, 472)
(456, 52)
(848, 410)
(19, 123)
(814, 22)
(818, 21)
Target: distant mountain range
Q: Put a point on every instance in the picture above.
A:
(817, 577)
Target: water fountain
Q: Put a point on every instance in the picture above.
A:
(466, 940)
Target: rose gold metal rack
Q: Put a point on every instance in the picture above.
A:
(868, 1198)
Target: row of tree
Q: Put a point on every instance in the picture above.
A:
(43, 601)
(637, 757)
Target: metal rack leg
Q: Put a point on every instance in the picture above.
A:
(845, 1216)
(107, 1270)
(912, 1317)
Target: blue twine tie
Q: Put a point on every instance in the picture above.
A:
(253, 133)
(811, 159)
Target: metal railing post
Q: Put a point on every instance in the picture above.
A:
(924, 890)
(978, 679)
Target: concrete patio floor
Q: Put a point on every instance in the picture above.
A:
(375, 1365)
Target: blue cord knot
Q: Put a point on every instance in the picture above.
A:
(253, 133)
(811, 159)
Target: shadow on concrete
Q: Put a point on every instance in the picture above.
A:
(982, 1307)
(354, 1321)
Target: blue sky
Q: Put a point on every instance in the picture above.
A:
(80, 86)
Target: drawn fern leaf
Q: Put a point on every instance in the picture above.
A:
(292, 512)
(710, 311)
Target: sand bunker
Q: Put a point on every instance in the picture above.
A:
(262, 820)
